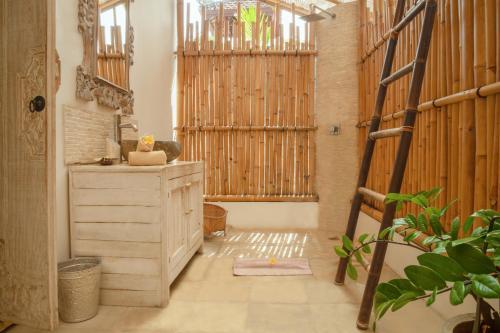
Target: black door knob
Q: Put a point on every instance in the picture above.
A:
(37, 104)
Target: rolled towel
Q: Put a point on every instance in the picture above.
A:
(157, 157)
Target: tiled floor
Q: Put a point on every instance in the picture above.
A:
(208, 298)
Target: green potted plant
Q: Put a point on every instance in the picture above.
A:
(461, 261)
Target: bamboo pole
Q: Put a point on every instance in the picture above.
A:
(180, 73)
(491, 68)
(480, 112)
(467, 142)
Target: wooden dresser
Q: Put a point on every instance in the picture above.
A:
(145, 223)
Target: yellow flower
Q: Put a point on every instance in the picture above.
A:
(148, 139)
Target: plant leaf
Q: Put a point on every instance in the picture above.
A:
(340, 252)
(422, 222)
(446, 267)
(389, 290)
(468, 223)
(412, 236)
(382, 308)
(465, 240)
(420, 200)
(405, 285)
(493, 238)
(358, 257)
(443, 210)
(457, 293)
(411, 220)
(384, 233)
(432, 298)
(486, 214)
(400, 222)
(351, 271)
(392, 197)
(362, 238)
(471, 259)
(436, 224)
(366, 249)
(429, 240)
(404, 299)
(424, 277)
(347, 242)
(380, 298)
(433, 193)
(455, 228)
(485, 286)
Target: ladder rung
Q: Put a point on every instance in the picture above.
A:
(372, 194)
(410, 15)
(398, 74)
(390, 132)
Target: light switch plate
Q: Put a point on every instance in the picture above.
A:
(335, 129)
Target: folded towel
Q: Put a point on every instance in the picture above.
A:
(147, 158)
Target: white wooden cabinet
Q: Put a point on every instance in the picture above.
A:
(145, 223)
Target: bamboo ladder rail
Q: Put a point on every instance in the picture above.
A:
(401, 20)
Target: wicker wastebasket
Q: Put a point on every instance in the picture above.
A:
(79, 283)
(214, 219)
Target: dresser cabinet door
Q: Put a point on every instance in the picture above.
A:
(194, 213)
(176, 224)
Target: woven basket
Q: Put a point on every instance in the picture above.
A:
(79, 283)
(214, 219)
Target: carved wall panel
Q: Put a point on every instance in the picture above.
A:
(32, 124)
(21, 293)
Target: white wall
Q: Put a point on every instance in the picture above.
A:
(150, 76)
(271, 215)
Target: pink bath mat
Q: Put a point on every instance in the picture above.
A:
(272, 266)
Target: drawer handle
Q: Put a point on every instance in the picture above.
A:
(188, 184)
(189, 211)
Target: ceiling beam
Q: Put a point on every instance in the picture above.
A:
(287, 6)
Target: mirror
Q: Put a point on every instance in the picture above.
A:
(107, 53)
(112, 42)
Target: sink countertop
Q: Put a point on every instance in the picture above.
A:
(124, 167)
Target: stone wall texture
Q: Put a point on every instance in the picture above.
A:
(337, 103)
(85, 134)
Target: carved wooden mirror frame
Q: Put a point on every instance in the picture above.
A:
(88, 85)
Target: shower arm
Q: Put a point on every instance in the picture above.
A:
(313, 7)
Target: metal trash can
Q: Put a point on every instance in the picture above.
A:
(79, 283)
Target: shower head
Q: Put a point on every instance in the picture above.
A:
(314, 17)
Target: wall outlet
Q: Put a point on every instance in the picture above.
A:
(335, 129)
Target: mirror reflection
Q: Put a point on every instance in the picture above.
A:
(112, 42)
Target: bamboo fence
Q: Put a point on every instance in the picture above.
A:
(456, 142)
(246, 105)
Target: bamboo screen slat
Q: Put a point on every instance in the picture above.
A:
(457, 134)
(111, 58)
(246, 106)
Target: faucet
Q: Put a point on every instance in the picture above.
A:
(118, 132)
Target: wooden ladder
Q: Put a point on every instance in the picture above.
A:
(417, 69)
